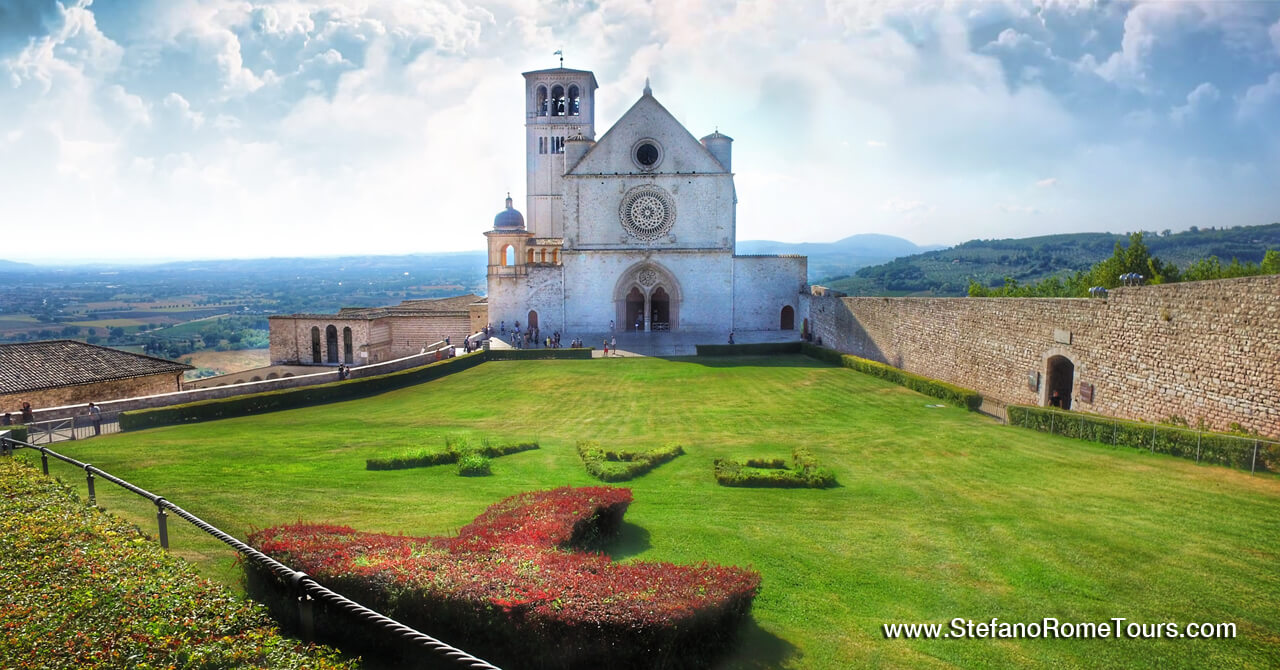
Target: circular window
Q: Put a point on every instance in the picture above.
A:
(647, 154)
(647, 212)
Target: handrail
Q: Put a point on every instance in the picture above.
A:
(307, 588)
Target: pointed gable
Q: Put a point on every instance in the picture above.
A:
(647, 119)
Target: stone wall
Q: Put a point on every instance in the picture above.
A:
(762, 286)
(83, 394)
(1195, 351)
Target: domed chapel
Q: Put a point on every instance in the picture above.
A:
(637, 228)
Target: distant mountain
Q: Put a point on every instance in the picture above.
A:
(842, 257)
(947, 272)
(14, 266)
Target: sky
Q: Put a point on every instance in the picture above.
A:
(160, 129)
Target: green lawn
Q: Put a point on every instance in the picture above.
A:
(940, 513)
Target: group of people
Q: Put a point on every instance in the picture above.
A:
(27, 415)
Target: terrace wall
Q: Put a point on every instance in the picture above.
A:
(1198, 351)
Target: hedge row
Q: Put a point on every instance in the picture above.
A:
(18, 433)
(83, 589)
(514, 587)
(805, 472)
(1216, 448)
(931, 387)
(611, 465)
(539, 354)
(270, 401)
(752, 349)
(453, 452)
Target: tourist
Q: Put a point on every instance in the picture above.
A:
(613, 342)
(605, 344)
(612, 328)
(730, 337)
(7, 420)
(503, 327)
(95, 416)
(1055, 398)
(27, 415)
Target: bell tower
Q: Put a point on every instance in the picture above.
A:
(559, 104)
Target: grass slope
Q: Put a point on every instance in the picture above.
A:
(940, 513)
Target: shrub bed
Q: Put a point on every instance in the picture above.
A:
(1216, 448)
(611, 465)
(473, 465)
(538, 354)
(83, 589)
(805, 472)
(951, 393)
(454, 450)
(271, 401)
(513, 587)
(751, 349)
(18, 433)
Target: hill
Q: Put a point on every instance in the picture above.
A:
(947, 272)
(842, 257)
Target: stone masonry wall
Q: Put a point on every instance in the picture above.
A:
(1198, 351)
(83, 394)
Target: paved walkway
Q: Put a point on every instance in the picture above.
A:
(662, 344)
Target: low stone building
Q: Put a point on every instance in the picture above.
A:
(54, 373)
(364, 335)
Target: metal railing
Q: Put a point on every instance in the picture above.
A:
(307, 590)
(72, 428)
(1142, 435)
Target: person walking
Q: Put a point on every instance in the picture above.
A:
(613, 342)
(605, 344)
(730, 337)
(95, 416)
(27, 415)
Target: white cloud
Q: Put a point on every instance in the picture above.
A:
(905, 206)
(877, 144)
(1047, 182)
(1197, 100)
(1261, 101)
(179, 105)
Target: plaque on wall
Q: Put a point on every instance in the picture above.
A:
(1086, 393)
(1033, 381)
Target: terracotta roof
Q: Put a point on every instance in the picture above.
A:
(31, 366)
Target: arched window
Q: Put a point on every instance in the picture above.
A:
(346, 345)
(575, 106)
(508, 255)
(555, 256)
(529, 256)
(543, 258)
(788, 318)
(331, 343)
(533, 319)
(557, 100)
(542, 101)
(315, 344)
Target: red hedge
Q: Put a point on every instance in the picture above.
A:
(513, 588)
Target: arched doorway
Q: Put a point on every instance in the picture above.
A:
(315, 344)
(788, 318)
(346, 345)
(1059, 379)
(659, 310)
(635, 310)
(331, 343)
(533, 319)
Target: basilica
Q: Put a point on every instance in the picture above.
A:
(635, 230)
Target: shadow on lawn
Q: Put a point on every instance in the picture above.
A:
(758, 648)
(762, 361)
(630, 541)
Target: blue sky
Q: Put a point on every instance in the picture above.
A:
(237, 128)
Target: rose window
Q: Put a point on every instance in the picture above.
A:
(647, 212)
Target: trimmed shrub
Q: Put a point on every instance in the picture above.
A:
(18, 433)
(514, 588)
(271, 401)
(539, 354)
(455, 448)
(751, 349)
(1217, 448)
(472, 464)
(609, 465)
(951, 393)
(84, 589)
(805, 472)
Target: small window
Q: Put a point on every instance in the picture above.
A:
(647, 154)
(557, 145)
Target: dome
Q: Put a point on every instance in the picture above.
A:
(509, 218)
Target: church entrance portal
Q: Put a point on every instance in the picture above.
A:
(1059, 381)
(635, 310)
(660, 310)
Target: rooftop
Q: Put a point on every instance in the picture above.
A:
(31, 366)
(452, 305)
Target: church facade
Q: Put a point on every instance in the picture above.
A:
(637, 228)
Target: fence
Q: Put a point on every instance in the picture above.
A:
(1250, 453)
(306, 590)
(71, 428)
